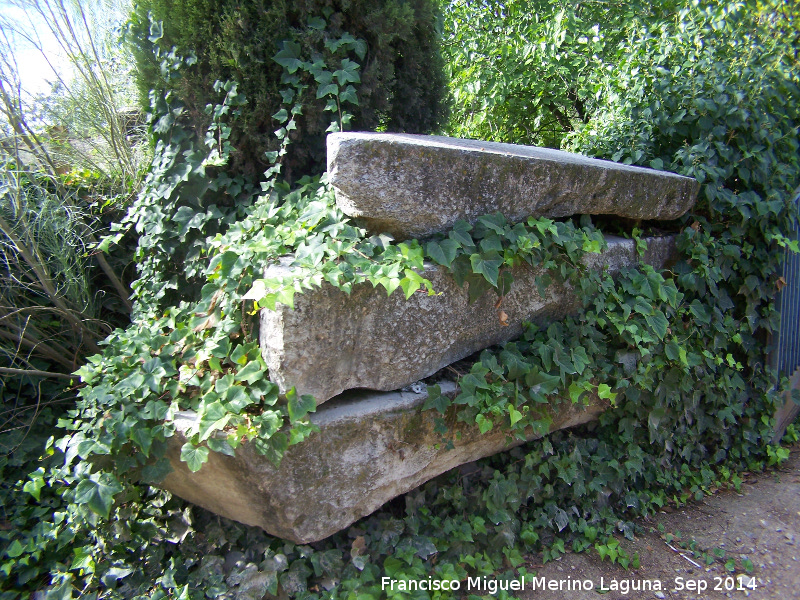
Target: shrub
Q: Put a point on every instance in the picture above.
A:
(694, 407)
(402, 81)
(524, 71)
(715, 96)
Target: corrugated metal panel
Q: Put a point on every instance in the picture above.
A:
(786, 352)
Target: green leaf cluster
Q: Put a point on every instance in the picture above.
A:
(526, 71)
(396, 42)
(677, 355)
(484, 255)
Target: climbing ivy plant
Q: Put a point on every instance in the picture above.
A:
(677, 354)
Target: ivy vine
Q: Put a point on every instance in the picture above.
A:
(679, 354)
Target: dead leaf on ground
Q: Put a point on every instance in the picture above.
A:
(359, 546)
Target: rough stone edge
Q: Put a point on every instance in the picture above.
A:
(289, 364)
(373, 446)
(387, 212)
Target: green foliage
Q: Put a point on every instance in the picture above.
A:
(402, 82)
(204, 238)
(709, 557)
(678, 355)
(525, 71)
(82, 122)
(61, 173)
(55, 305)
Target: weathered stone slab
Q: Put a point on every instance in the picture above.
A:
(332, 342)
(416, 185)
(371, 447)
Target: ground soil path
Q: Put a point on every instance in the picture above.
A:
(760, 524)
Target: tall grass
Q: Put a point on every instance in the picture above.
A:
(83, 122)
(65, 158)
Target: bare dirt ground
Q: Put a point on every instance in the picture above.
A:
(759, 524)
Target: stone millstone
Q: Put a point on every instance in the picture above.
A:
(416, 185)
(332, 342)
(370, 448)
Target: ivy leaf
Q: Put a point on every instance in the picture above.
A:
(682, 356)
(514, 362)
(461, 270)
(327, 562)
(495, 222)
(460, 234)
(491, 242)
(348, 73)
(411, 282)
(236, 398)
(222, 446)
(671, 349)
(327, 89)
(604, 392)
(253, 371)
(641, 306)
(390, 283)
(658, 322)
(360, 48)
(317, 23)
(156, 31)
(542, 283)
(478, 286)
(155, 473)
(700, 312)
(15, 549)
(289, 56)
(281, 116)
(670, 294)
(472, 381)
(575, 391)
(349, 95)
(36, 483)
(484, 424)
(273, 448)
(443, 252)
(561, 519)
(654, 419)
(505, 282)
(142, 436)
(239, 354)
(98, 492)
(299, 406)
(436, 399)
(488, 265)
(257, 291)
(214, 418)
(194, 456)
(542, 382)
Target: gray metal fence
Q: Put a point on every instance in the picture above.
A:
(786, 352)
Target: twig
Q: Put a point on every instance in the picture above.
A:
(454, 370)
(34, 373)
(674, 549)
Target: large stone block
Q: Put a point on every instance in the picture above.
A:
(371, 447)
(416, 185)
(332, 342)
